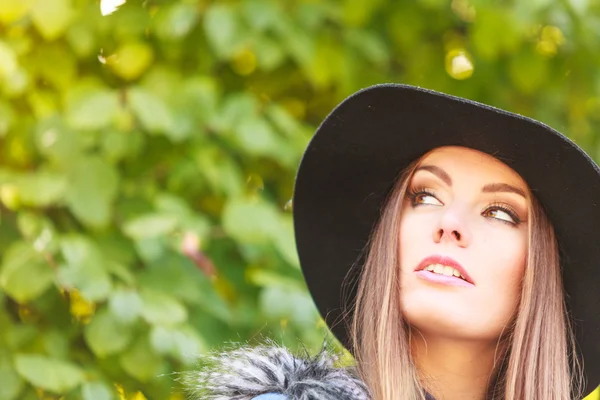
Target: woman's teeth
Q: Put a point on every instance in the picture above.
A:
(444, 270)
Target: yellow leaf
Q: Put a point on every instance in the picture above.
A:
(52, 17)
(80, 308)
(131, 60)
(11, 10)
(8, 59)
(138, 396)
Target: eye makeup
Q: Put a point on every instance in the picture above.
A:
(417, 197)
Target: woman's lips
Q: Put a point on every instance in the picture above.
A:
(440, 278)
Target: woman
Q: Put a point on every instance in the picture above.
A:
(450, 246)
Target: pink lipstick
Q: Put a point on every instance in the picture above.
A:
(438, 263)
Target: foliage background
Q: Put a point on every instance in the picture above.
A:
(147, 160)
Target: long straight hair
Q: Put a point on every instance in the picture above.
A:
(538, 352)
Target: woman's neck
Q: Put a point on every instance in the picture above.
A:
(452, 369)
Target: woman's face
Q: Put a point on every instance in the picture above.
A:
(465, 214)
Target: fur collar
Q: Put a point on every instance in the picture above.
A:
(247, 372)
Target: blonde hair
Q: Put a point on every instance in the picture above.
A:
(538, 354)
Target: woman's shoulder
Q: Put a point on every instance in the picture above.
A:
(271, 372)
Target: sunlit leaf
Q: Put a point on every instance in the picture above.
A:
(8, 61)
(52, 17)
(107, 335)
(256, 137)
(57, 376)
(25, 275)
(96, 391)
(151, 110)
(85, 268)
(93, 110)
(11, 10)
(223, 30)
(282, 303)
(131, 60)
(181, 343)
(126, 305)
(141, 361)
(93, 185)
(250, 221)
(10, 382)
(160, 308)
(150, 225)
(41, 189)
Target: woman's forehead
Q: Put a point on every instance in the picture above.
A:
(474, 163)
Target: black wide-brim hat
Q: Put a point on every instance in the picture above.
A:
(356, 155)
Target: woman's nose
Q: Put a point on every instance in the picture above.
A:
(452, 227)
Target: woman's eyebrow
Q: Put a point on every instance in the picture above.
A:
(502, 187)
(437, 171)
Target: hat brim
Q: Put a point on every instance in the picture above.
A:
(355, 156)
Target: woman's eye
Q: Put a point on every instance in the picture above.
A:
(502, 215)
(426, 198)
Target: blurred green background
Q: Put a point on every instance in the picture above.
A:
(147, 161)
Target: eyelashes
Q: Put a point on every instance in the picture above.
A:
(505, 208)
(418, 194)
(422, 196)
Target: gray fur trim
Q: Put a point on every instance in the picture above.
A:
(247, 372)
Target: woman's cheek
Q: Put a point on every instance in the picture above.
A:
(507, 267)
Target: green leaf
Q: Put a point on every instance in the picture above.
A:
(151, 110)
(52, 17)
(220, 171)
(528, 71)
(93, 187)
(269, 53)
(94, 109)
(81, 37)
(256, 137)
(141, 362)
(24, 275)
(285, 241)
(96, 391)
(486, 40)
(7, 116)
(170, 204)
(10, 382)
(57, 142)
(181, 343)
(50, 374)
(370, 45)
(299, 44)
(177, 21)
(282, 120)
(55, 64)
(266, 278)
(125, 305)
(223, 30)
(106, 335)
(250, 221)
(150, 225)
(86, 268)
(42, 189)
(162, 309)
(238, 108)
(282, 303)
(261, 14)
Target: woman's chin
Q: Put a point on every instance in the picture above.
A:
(450, 320)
